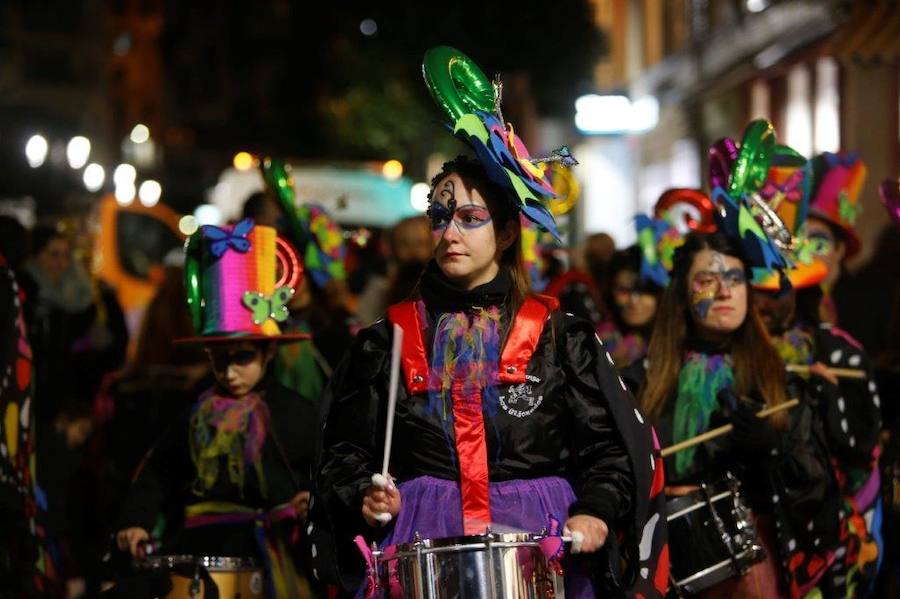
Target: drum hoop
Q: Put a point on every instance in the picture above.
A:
(211, 563)
(748, 553)
(696, 504)
(460, 544)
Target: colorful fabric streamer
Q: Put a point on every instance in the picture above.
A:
(702, 378)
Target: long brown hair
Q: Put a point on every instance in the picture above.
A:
(502, 213)
(757, 365)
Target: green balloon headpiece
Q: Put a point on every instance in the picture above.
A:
(472, 103)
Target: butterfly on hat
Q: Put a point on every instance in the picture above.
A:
(266, 307)
(223, 240)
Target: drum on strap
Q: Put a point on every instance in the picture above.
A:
(712, 536)
(488, 566)
(234, 577)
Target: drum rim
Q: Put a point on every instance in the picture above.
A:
(210, 562)
(523, 538)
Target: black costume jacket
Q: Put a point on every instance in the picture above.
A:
(564, 412)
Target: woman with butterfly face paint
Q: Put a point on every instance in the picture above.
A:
(238, 463)
(709, 363)
(509, 412)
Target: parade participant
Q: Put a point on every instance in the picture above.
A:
(233, 474)
(632, 304)
(849, 408)
(710, 362)
(639, 274)
(837, 181)
(509, 411)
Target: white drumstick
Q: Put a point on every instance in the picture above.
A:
(383, 480)
(576, 537)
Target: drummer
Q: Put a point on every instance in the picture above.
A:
(239, 462)
(710, 363)
(849, 408)
(509, 414)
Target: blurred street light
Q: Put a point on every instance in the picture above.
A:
(392, 170)
(368, 27)
(93, 177)
(77, 151)
(188, 225)
(125, 193)
(243, 161)
(36, 150)
(613, 115)
(149, 193)
(140, 133)
(418, 196)
(124, 174)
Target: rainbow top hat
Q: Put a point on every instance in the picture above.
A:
(837, 181)
(239, 281)
(787, 191)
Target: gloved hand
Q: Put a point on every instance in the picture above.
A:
(751, 434)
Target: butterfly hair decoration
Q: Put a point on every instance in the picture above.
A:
(264, 308)
(223, 240)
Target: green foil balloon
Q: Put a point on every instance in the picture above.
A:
(277, 178)
(192, 248)
(456, 83)
(752, 165)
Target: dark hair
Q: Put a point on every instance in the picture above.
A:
(757, 365)
(503, 211)
(629, 260)
(13, 240)
(255, 205)
(41, 236)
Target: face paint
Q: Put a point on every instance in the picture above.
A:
(466, 217)
(709, 282)
(821, 244)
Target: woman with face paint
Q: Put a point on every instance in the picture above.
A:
(509, 412)
(710, 363)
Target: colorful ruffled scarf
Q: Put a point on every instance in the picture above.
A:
(466, 348)
(701, 379)
(234, 429)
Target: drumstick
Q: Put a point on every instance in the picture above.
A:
(382, 480)
(843, 373)
(724, 430)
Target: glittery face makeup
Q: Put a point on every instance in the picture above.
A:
(465, 217)
(711, 280)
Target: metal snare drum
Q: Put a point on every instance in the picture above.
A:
(234, 577)
(711, 535)
(489, 566)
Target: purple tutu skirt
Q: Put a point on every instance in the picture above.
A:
(432, 508)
